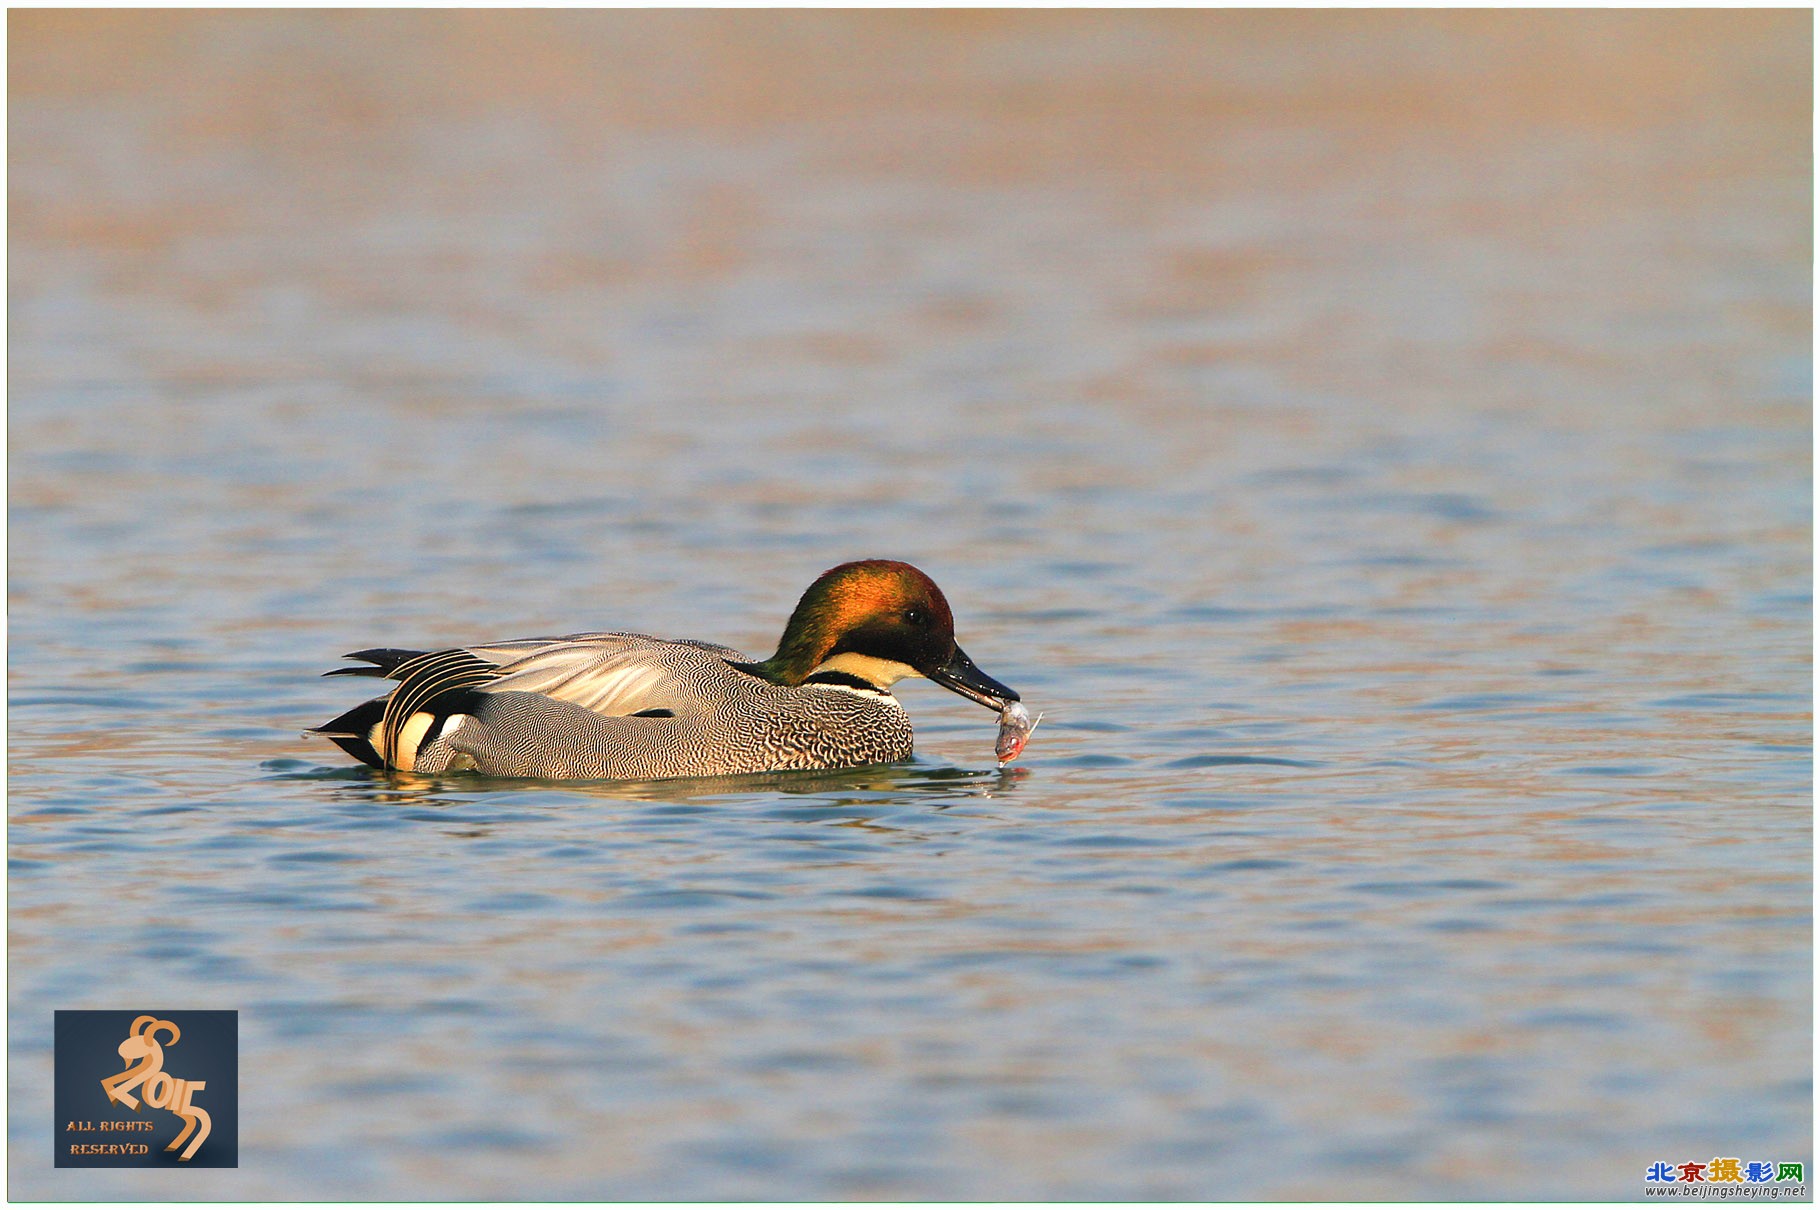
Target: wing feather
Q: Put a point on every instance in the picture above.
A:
(609, 673)
(424, 678)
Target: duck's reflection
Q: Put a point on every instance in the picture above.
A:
(866, 791)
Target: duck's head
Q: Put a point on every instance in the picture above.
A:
(877, 621)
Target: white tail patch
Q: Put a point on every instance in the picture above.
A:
(409, 737)
(416, 732)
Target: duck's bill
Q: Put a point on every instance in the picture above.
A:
(962, 676)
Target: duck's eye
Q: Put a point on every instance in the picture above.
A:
(915, 617)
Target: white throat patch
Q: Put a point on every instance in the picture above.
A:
(868, 668)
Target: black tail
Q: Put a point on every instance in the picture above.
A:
(384, 658)
(350, 730)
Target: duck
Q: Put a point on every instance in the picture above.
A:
(631, 706)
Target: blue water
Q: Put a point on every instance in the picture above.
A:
(1393, 485)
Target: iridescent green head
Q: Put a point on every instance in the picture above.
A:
(878, 621)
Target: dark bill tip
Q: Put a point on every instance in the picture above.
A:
(963, 677)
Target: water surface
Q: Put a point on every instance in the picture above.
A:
(1379, 443)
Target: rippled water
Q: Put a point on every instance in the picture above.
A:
(1380, 443)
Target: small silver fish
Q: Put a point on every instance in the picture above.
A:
(1014, 728)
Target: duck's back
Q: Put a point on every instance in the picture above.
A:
(633, 706)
